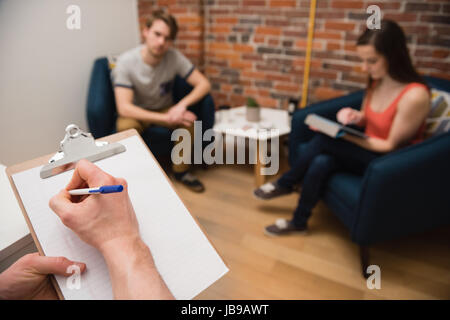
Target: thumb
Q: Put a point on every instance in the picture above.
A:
(56, 265)
(61, 203)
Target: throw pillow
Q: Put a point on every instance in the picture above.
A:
(438, 120)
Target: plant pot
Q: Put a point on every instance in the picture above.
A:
(252, 114)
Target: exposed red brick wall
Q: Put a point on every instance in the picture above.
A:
(257, 47)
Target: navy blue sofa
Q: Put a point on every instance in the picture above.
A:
(400, 193)
(102, 114)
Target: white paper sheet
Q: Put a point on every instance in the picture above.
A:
(183, 255)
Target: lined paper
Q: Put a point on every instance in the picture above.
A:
(183, 255)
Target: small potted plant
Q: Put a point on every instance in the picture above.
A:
(252, 110)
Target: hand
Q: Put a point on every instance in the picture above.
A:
(188, 118)
(108, 222)
(178, 115)
(348, 116)
(313, 128)
(96, 219)
(27, 277)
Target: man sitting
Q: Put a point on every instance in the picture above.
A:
(143, 81)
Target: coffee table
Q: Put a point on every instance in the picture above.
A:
(273, 125)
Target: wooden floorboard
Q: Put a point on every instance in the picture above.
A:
(324, 264)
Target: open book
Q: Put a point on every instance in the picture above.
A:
(331, 128)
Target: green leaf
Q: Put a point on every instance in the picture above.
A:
(252, 103)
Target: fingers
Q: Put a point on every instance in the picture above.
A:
(86, 175)
(188, 115)
(82, 173)
(353, 117)
(61, 203)
(54, 265)
(347, 116)
(123, 182)
(188, 119)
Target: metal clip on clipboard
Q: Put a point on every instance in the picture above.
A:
(75, 146)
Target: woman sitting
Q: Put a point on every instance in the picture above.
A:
(393, 112)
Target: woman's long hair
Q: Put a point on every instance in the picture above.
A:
(390, 41)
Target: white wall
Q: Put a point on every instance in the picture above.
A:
(45, 67)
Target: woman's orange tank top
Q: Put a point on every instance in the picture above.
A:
(378, 124)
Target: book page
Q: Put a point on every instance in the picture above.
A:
(184, 257)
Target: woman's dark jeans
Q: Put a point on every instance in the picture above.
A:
(317, 161)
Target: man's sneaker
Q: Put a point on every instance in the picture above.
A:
(190, 181)
(283, 227)
(271, 190)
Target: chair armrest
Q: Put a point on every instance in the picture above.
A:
(300, 133)
(405, 192)
(101, 104)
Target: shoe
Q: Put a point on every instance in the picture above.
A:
(271, 190)
(190, 181)
(283, 227)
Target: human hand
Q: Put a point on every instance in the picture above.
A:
(96, 219)
(188, 118)
(179, 115)
(27, 277)
(175, 115)
(348, 116)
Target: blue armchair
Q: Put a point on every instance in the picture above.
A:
(101, 110)
(400, 193)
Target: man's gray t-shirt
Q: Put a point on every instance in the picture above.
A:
(152, 86)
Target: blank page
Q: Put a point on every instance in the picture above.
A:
(184, 257)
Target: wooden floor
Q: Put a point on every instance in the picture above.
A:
(321, 265)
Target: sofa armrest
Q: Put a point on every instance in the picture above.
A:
(405, 192)
(300, 133)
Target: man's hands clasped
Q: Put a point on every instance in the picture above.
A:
(178, 115)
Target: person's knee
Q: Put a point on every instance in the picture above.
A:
(322, 138)
(124, 123)
(205, 110)
(323, 162)
(321, 142)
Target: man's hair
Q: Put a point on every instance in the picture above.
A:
(167, 18)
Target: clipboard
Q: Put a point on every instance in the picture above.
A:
(42, 161)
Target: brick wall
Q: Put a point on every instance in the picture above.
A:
(257, 47)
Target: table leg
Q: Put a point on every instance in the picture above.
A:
(259, 178)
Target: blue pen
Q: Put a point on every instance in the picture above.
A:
(103, 189)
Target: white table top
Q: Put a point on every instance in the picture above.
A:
(273, 123)
(12, 223)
